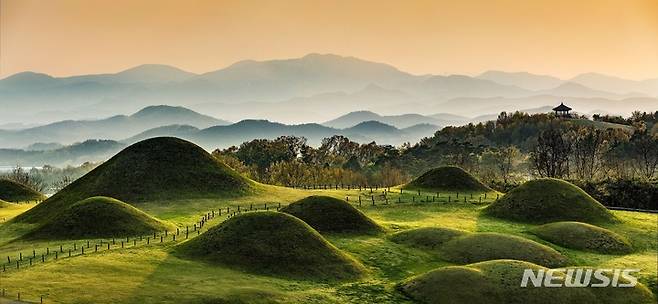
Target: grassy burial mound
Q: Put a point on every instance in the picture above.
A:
(99, 217)
(499, 282)
(327, 214)
(448, 178)
(273, 243)
(12, 191)
(427, 238)
(4, 204)
(549, 200)
(162, 168)
(583, 236)
(478, 247)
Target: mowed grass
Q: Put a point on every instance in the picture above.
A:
(152, 274)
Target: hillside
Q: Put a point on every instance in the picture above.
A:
(113, 128)
(162, 168)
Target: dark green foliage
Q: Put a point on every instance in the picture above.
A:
(273, 243)
(447, 178)
(427, 238)
(498, 281)
(162, 168)
(623, 193)
(583, 236)
(12, 191)
(328, 214)
(99, 217)
(486, 246)
(549, 200)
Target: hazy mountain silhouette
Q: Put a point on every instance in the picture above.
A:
(617, 85)
(398, 121)
(313, 88)
(523, 80)
(75, 154)
(115, 127)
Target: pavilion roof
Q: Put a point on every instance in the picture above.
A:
(561, 107)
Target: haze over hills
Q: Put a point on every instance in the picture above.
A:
(313, 88)
(399, 121)
(115, 127)
(217, 136)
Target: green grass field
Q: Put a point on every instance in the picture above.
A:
(154, 273)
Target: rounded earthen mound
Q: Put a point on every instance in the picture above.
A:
(498, 282)
(156, 169)
(273, 243)
(549, 200)
(327, 214)
(427, 238)
(99, 217)
(12, 191)
(448, 178)
(584, 236)
(484, 246)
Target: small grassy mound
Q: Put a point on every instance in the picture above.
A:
(427, 238)
(478, 247)
(448, 178)
(328, 214)
(583, 236)
(99, 217)
(4, 204)
(162, 168)
(12, 191)
(273, 243)
(549, 200)
(499, 282)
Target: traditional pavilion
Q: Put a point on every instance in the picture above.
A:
(562, 110)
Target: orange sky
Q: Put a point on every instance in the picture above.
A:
(562, 38)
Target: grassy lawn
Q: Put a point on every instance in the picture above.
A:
(152, 274)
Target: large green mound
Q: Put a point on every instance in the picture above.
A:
(583, 236)
(549, 200)
(427, 238)
(500, 282)
(273, 243)
(328, 214)
(99, 217)
(162, 168)
(12, 191)
(448, 178)
(478, 247)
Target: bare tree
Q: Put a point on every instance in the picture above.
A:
(31, 179)
(587, 153)
(550, 157)
(61, 183)
(644, 150)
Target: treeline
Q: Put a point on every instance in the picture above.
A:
(48, 179)
(288, 160)
(503, 153)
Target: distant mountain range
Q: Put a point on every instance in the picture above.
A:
(115, 128)
(312, 88)
(398, 121)
(62, 143)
